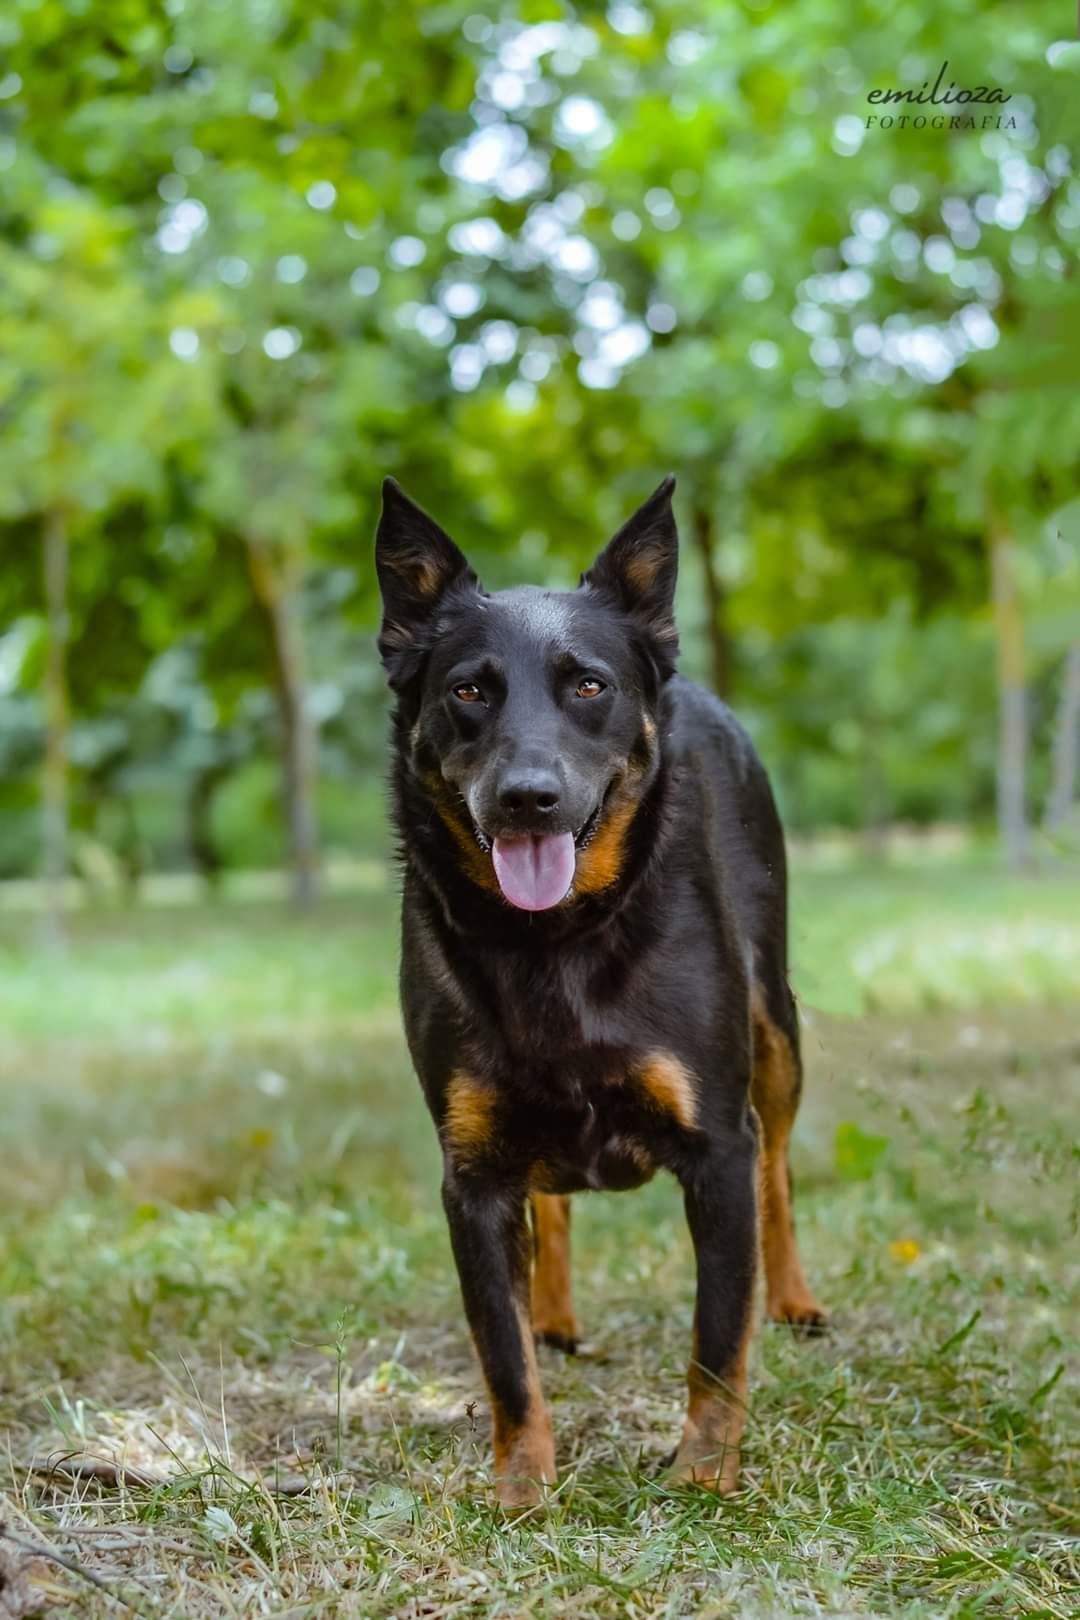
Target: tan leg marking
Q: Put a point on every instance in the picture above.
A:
(476, 864)
(708, 1452)
(524, 1452)
(775, 1094)
(599, 865)
(553, 1316)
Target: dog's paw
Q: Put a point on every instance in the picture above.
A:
(559, 1339)
(802, 1313)
(716, 1471)
(555, 1325)
(708, 1454)
(524, 1466)
(517, 1495)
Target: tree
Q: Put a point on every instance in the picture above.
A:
(530, 260)
(1061, 800)
(77, 334)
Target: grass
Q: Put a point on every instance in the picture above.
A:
(222, 1260)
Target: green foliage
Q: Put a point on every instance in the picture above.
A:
(529, 258)
(857, 1153)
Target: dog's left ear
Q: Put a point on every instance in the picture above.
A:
(639, 566)
(417, 563)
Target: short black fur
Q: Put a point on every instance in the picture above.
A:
(614, 1033)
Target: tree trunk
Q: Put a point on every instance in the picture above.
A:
(1062, 796)
(54, 786)
(277, 597)
(199, 804)
(131, 853)
(1012, 701)
(720, 659)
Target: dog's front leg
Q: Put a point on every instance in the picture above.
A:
(719, 1185)
(491, 1247)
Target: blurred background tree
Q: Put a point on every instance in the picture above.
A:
(528, 257)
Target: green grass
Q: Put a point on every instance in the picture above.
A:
(222, 1259)
(919, 936)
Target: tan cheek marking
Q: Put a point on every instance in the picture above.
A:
(468, 1123)
(600, 864)
(477, 865)
(669, 1086)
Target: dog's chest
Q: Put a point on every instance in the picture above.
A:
(608, 1122)
(572, 1024)
(599, 1149)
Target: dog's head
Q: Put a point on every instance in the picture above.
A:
(529, 717)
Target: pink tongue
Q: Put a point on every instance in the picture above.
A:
(534, 873)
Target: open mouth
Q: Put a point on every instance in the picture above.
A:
(582, 838)
(535, 871)
(585, 835)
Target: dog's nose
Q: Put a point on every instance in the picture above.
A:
(534, 792)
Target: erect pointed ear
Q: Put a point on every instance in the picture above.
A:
(417, 563)
(638, 568)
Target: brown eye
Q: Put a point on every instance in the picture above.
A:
(589, 687)
(467, 693)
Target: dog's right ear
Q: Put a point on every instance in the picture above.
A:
(637, 570)
(417, 563)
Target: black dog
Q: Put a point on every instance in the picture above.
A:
(594, 958)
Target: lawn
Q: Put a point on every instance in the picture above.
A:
(223, 1270)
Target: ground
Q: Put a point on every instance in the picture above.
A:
(222, 1263)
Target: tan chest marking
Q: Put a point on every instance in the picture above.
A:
(669, 1087)
(469, 1120)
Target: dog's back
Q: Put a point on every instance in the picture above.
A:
(727, 805)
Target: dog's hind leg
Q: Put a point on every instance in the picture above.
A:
(775, 1089)
(553, 1316)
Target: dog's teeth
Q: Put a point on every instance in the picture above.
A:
(588, 832)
